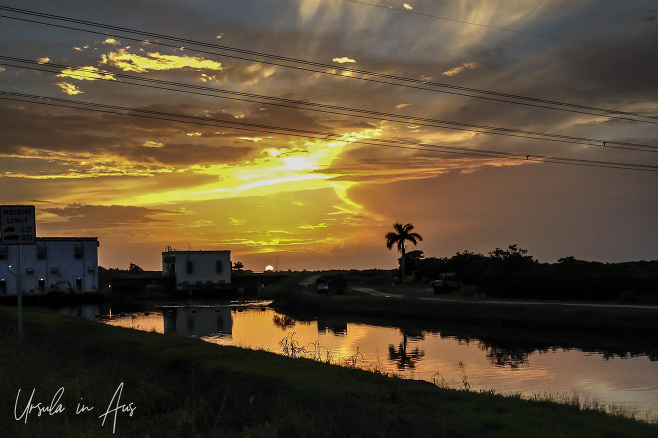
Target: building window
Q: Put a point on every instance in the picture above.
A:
(218, 266)
(4, 252)
(189, 266)
(78, 251)
(42, 252)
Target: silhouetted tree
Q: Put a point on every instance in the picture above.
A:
(134, 268)
(413, 259)
(398, 237)
(512, 256)
(238, 266)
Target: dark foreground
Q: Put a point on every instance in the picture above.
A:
(144, 384)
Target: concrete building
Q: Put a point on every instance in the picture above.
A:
(53, 264)
(197, 269)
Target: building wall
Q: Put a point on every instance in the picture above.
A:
(53, 264)
(197, 269)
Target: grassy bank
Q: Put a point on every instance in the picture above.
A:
(186, 387)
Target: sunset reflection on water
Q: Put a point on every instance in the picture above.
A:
(563, 374)
(147, 321)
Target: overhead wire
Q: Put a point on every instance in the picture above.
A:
(317, 67)
(239, 125)
(343, 69)
(109, 76)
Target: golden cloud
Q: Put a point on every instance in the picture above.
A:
(276, 170)
(67, 165)
(156, 61)
(459, 69)
(152, 144)
(85, 74)
(208, 78)
(313, 227)
(69, 89)
(343, 60)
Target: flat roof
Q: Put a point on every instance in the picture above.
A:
(65, 239)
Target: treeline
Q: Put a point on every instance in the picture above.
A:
(511, 273)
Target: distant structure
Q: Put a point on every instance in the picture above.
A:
(53, 264)
(197, 270)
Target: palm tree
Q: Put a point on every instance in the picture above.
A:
(398, 237)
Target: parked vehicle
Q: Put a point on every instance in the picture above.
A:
(447, 283)
(330, 285)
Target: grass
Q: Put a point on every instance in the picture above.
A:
(188, 388)
(290, 347)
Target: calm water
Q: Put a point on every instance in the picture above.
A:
(630, 383)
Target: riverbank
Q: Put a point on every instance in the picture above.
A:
(53, 299)
(167, 386)
(422, 306)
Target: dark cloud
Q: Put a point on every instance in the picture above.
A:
(25, 126)
(28, 126)
(114, 216)
(651, 16)
(186, 154)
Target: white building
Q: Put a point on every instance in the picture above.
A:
(53, 264)
(197, 269)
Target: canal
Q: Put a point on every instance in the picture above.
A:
(618, 380)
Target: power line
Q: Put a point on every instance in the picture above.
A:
(397, 143)
(334, 70)
(521, 32)
(323, 108)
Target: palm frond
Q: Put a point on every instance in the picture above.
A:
(401, 234)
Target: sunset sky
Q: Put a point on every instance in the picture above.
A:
(296, 132)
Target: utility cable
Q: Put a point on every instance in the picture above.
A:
(329, 69)
(108, 76)
(397, 143)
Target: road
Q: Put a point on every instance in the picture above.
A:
(376, 293)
